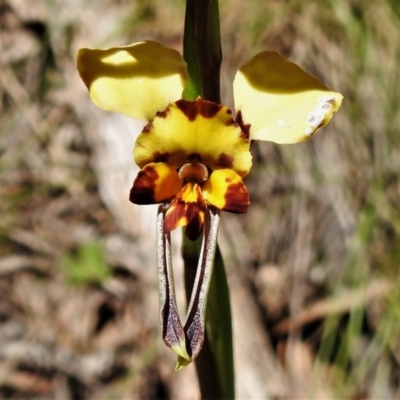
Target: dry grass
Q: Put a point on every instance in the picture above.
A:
(319, 246)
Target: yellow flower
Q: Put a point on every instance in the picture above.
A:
(194, 153)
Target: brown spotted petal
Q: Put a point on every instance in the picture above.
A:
(155, 183)
(199, 130)
(187, 209)
(226, 191)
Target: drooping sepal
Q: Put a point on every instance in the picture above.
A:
(171, 326)
(195, 322)
(276, 100)
(185, 341)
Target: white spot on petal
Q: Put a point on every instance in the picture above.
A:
(281, 122)
(321, 114)
(308, 131)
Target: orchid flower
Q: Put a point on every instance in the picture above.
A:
(194, 155)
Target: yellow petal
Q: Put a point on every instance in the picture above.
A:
(195, 130)
(276, 100)
(226, 191)
(137, 80)
(155, 183)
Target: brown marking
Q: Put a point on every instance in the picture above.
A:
(208, 109)
(142, 191)
(244, 127)
(163, 114)
(236, 198)
(194, 157)
(231, 122)
(195, 224)
(175, 212)
(225, 161)
(161, 157)
(189, 108)
(191, 212)
(148, 128)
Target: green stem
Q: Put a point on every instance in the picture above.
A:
(202, 52)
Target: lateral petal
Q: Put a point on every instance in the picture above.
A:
(155, 183)
(225, 190)
(276, 100)
(136, 80)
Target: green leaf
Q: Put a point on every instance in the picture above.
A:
(219, 328)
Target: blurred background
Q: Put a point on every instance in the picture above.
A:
(312, 267)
